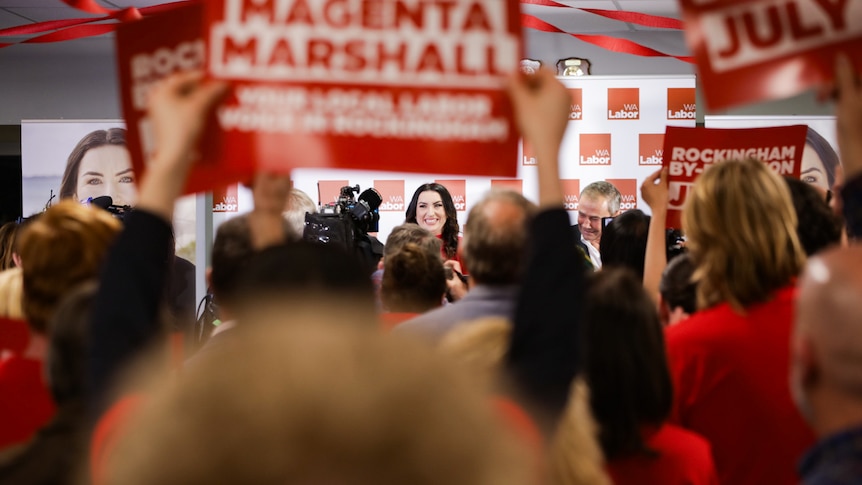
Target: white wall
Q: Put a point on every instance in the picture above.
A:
(78, 80)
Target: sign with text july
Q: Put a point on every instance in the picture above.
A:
(758, 50)
(690, 151)
(397, 85)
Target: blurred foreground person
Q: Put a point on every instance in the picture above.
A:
(729, 360)
(65, 246)
(827, 366)
(319, 403)
(630, 388)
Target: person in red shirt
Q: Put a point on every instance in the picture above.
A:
(630, 388)
(729, 360)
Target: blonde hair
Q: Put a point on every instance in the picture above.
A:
(317, 403)
(65, 246)
(298, 203)
(11, 305)
(741, 230)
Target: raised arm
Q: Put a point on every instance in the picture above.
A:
(848, 113)
(654, 192)
(125, 315)
(543, 355)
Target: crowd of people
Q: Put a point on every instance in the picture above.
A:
(515, 348)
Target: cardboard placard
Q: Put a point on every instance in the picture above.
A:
(690, 151)
(759, 50)
(393, 85)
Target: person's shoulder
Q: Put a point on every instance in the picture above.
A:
(432, 323)
(686, 451)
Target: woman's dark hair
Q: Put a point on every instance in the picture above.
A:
(450, 228)
(8, 233)
(96, 139)
(817, 226)
(413, 280)
(826, 153)
(624, 241)
(624, 361)
(676, 287)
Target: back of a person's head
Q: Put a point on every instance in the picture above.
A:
(410, 232)
(65, 246)
(301, 275)
(817, 227)
(676, 287)
(7, 243)
(67, 353)
(413, 280)
(624, 241)
(298, 204)
(495, 238)
(624, 361)
(316, 404)
(741, 231)
(602, 190)
(232, 248)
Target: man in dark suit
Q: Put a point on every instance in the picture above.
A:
(597, 201)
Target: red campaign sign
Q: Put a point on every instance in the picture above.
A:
(458, 190)
(690, 151)
(329, 190)
(225, 199)
(628, 190)
(571, 193)
(143, 59)
(406, 86)
(650, 149)
(758, 50)
(392, 192)
(513, 185)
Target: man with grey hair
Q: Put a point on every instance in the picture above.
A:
(826, 365)
(597, 201)
(495, 240)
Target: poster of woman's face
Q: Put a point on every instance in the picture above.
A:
(79, 160)
(85, 160)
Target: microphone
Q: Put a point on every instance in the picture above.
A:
(103, 202)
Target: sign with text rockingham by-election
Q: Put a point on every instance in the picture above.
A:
(396, 85)
(690, 151)
(757, 50)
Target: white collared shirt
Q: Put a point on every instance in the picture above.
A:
(595, 255)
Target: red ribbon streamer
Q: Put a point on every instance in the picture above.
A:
(614, 44)
(636, 18)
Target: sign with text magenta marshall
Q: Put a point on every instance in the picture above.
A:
(757, 50)
(397, 85)
(401, 85)
(690, 151)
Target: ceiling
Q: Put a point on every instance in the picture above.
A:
(21, 12)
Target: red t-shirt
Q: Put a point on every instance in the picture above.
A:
(730, 374)
(684, 459)
(25, 401)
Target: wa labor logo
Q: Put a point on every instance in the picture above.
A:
(577, 111)
(681, 104)
(392, 192)
(650, 149)
(527, 155)
(513, 185)
(624, 104)
(329, 190)
(595, 149)
(225, 199)
(571, 192)
(458, 190)
(628, 190)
